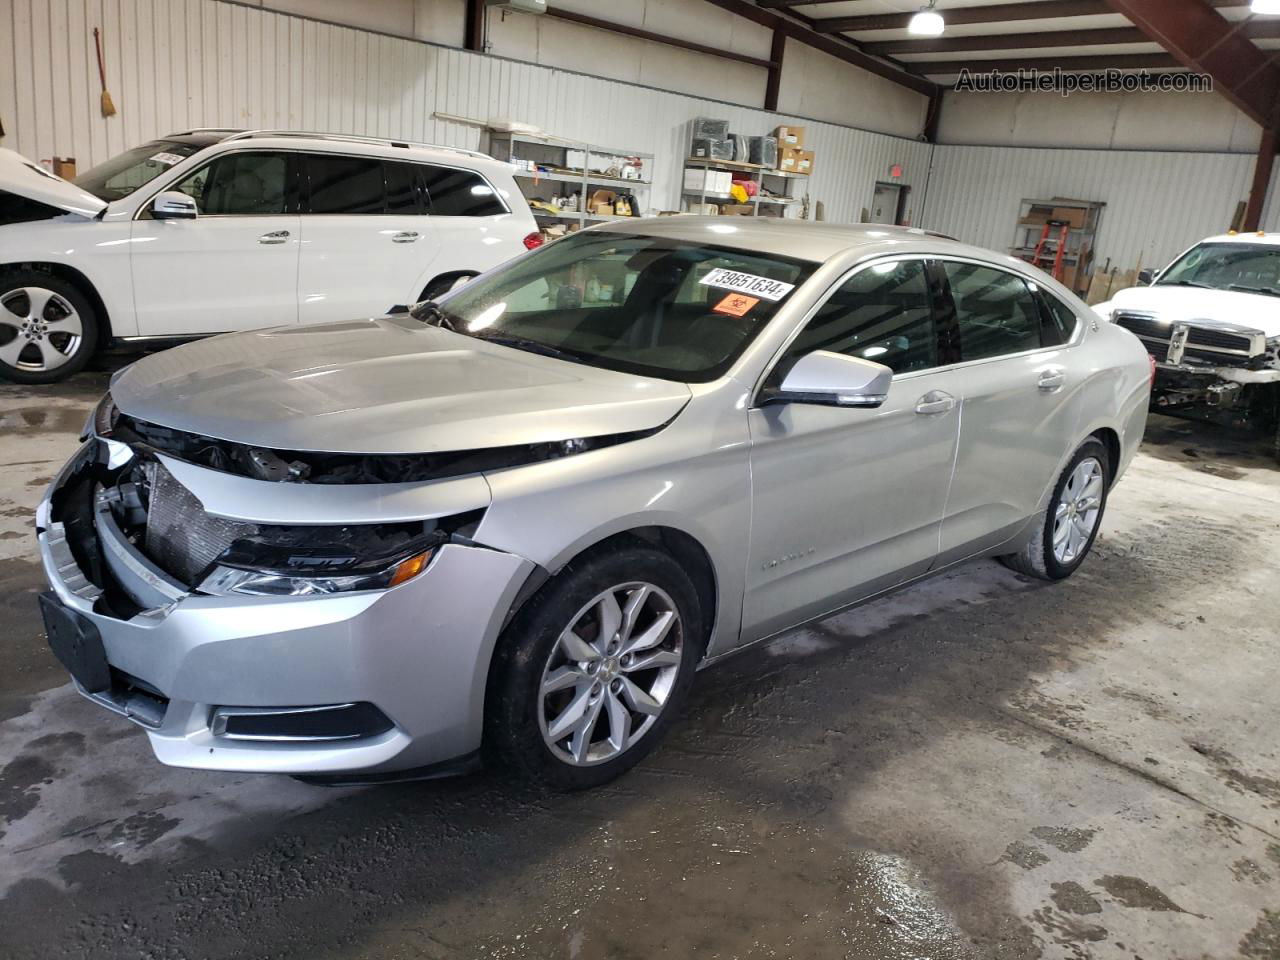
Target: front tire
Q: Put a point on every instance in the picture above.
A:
(1070, 523)
(593, 670)
(48, 327)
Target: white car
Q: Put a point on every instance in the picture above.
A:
(215, 230)
(1211, 322)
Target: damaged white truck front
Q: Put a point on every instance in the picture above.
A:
(1211, 322)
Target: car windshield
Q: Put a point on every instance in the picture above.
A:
(655, 306)
(126, 172)
(1251, 267)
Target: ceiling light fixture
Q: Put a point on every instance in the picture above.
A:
(929, 23)
(1265, 7)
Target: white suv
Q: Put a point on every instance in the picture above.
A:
(215, 230)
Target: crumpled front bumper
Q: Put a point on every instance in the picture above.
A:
(1241, 375)
(419, 652)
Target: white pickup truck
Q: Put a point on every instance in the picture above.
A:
(1211, 321)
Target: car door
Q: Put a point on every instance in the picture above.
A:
(364, 236)
(235, 266)
(845, 501)
(1017, 392)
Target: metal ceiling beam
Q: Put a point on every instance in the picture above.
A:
(996, 13)
(1253, 29)
(1132, 61)
(629, 31)
(841, 48)
(1201, 39)
(1009, 41)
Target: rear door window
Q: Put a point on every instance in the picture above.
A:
(351, 185)
(996, 312)
(460, 193)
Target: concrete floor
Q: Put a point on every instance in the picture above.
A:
(983, 766)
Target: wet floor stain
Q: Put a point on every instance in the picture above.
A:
(1263, 941)
(1066, 839)
(1138, 894)
(1229, 770)
(20, 782)
(33, 420)
(1070, 897)
(1024, 855)
(1249, 871)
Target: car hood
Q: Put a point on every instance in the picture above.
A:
(19, 175)
(1235, 308)
(387, 385)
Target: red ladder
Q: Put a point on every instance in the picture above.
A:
(1038, 257)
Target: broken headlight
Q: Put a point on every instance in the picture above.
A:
(257, 568)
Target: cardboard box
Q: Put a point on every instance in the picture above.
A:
(698, 179)
(1073, 216)
(788, 136)
(64, 167)
(795, 160)
(738, 209)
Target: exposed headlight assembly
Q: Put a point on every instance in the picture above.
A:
(258, 568)
(102, 418)
(227, 580)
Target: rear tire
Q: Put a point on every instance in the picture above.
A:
(48, 327)
(1070, 523)
(579, 691)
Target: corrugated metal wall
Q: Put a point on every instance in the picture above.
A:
(1157, 203)
(174, 64)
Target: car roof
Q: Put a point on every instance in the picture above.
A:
(802, 239)
(1255, 237)
(388, 147)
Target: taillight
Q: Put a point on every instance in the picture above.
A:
(533, 240)
(1152, 360)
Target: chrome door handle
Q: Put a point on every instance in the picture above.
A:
(405, 236)
(934, 402)
(275, 236)
(1051, 379)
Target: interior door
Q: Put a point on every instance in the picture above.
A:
(1020, 405)
(365, 238)
(235, 267)
(847, 502)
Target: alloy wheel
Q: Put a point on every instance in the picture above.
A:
(610, 674)
(1077, 511)
(39, 329)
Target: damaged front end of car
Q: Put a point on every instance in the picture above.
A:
(1211, 371)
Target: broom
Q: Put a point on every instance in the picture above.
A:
(108, 108)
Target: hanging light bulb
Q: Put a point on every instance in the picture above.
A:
(1265, 7)
(929, 23)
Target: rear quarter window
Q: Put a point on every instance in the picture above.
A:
(460, 193)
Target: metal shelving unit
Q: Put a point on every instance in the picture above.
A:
(1076, 264)
(757, 172)
(539, 160)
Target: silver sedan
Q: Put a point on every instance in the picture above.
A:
(514, 523)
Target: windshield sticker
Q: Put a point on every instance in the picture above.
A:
(735, 305)
(747, 283)
(168, 159)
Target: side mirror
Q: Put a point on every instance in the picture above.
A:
(1145, 277)
(834, 380)
(173, 205)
